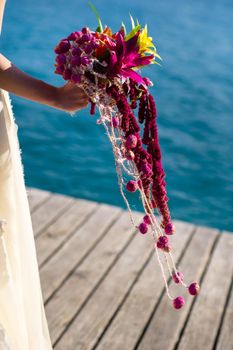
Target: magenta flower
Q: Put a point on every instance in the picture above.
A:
(125, 57)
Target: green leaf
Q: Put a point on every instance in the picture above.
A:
(133, 32)
(100, 27)
(132, 21)
(123, 27)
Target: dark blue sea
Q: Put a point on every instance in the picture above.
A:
(193, 89)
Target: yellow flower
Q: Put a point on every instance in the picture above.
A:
(108, 31)
(146, 45)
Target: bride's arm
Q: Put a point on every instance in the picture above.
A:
(68, 97)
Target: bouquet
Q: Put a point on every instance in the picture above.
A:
(107, 66)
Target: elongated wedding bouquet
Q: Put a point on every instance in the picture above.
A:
(107, 66)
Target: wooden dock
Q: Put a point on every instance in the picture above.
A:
(103, 289)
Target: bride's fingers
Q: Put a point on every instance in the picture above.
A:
(76, 105)
(71, 98)
(74, 88)
(80, 98)
(82, 104)
(83, 97)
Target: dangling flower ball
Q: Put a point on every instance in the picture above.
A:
(177, 277)
(143, 228)
(178, 302)
(132, 186)
(194, 288)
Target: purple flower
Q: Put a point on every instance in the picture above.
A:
(73, 36)
(75, 78)
(88, 49)
(59, 69)
(85, 60)
(67, 74)
(64, 46)
(86, 37)
(85, 30)
(76, 51)
(75, 61)
(61, 58)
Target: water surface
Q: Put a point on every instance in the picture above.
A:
(193, 91)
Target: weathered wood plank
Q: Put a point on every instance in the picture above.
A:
(204, 320)
(129, 323)
(91, 322)
(36, 197)
(167, 323)
(60, 230)
(49, 211)
(76, 248)
(69, 299)
(225, 341)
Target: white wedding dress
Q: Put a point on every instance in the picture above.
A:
(23, 324)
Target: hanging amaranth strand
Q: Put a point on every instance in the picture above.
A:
(106, 65)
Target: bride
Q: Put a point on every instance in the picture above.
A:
(23, 324)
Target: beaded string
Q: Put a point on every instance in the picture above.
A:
(118, 171)
(107, 115)
(117, 153)
(111, 138)
(120, 160)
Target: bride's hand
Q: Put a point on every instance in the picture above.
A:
(70, 98)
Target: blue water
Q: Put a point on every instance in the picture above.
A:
(193, 90)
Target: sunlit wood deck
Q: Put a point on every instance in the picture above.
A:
(102, 287)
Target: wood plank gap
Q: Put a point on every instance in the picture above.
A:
(223, 315)
(83, 258)
(194, 300)
(70, 235)
(60, 211)
(164, 290)
(40, 204)
(96, 286)
(123, 300)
